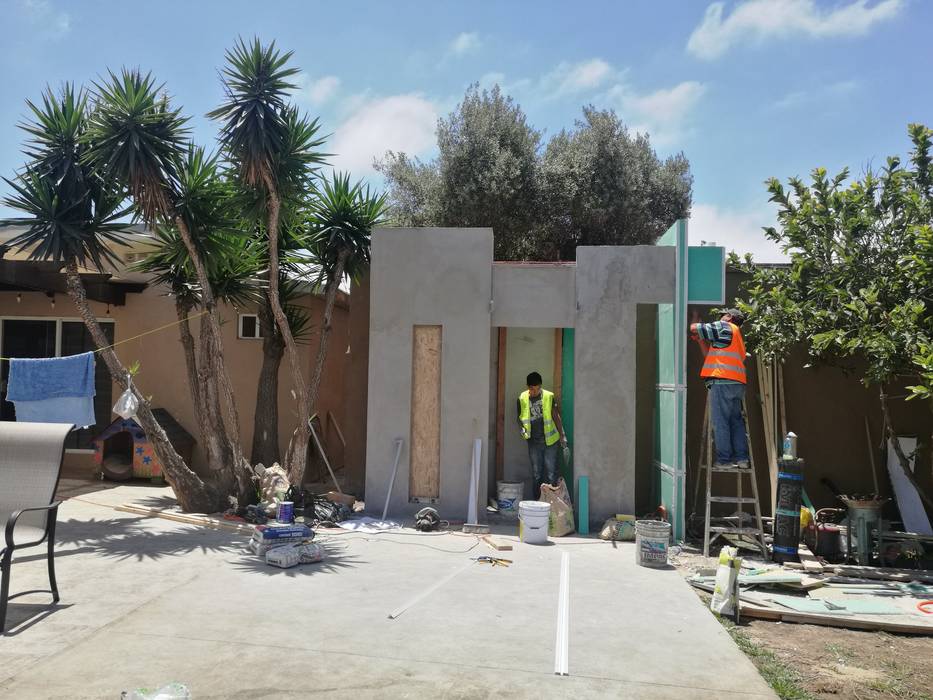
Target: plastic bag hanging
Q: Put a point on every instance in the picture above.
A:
(127, 405)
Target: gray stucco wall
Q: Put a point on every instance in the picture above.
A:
(533, 295)
(610, 281)
(428, 276)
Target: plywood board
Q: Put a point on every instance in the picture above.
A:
(425, 466)
(908, 500)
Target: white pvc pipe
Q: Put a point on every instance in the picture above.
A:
(398, 454)
(474, 481)
(562, 645)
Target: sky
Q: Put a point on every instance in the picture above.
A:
(746, 89)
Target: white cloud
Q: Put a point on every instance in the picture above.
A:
(570, 78)
(734, 229)
(754, 21)
(321, 90)
(464, 43)
(397, 123)
(664, 114)
(493, 78)
(316, 91)
(53, 23)
(831, 92)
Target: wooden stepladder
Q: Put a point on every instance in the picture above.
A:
(706, 463)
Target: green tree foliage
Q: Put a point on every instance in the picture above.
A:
(602, 185)
(859, 287)
(595, 184)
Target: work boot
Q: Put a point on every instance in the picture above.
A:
(743, 464)
(722, 465)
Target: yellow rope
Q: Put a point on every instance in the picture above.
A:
(136, 337)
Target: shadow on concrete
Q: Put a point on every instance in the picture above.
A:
(163, 502)
(131, 538)
(21, 616)
(335, 559)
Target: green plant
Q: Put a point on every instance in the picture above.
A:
(783, 679)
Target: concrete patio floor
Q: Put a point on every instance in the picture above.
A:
(145, 601)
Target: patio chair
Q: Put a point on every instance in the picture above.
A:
(30, 463)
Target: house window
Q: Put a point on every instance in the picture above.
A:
(249, 326)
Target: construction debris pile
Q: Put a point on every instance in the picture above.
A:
(857, 597)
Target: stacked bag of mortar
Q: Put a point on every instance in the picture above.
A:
(266, 537)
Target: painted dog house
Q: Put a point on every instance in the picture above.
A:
(123, 450)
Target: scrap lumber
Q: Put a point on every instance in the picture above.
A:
(186, 518)
(757, 607)
(497, 545)
(810, 563)
(873, 572)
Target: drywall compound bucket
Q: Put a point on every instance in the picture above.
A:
(651, 540)
(509, 494)
(532, 521)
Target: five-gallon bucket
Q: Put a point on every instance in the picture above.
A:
(509, 494)
(532, 521)
(651, 540)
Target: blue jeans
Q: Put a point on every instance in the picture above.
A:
(543, 461)
(728, 424)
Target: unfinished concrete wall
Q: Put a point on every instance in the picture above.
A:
(527, 350)
(533, 295)
(610, 281)
(424, 277)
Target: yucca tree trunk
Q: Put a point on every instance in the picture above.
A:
(214, 339)
(297, 455)
(265, 448)
(193, 494)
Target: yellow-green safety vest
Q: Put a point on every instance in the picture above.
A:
(551, 435)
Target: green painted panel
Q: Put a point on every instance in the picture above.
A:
(665, 428)
(566, 402)
(705, 278)
(666, 492)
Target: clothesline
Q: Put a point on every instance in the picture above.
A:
(136, 337)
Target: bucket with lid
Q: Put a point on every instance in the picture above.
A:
(533, 521)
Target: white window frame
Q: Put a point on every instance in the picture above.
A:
(58, 344)
(239, 327)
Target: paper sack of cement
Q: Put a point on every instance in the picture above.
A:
(725, 592)
(560, 519)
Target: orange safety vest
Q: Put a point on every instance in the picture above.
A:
(727, 362)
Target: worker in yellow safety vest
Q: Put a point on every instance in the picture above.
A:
(724, 373)
(541, 426)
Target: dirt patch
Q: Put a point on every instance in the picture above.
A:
(829, 662)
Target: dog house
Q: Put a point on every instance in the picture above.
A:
(123, 451)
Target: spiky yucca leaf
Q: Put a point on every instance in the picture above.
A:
(136, 137)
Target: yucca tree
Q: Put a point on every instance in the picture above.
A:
(74, 215)
(273, 150)
(340, 224)
(233, 269)
(138, 139)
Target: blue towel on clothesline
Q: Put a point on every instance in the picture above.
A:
(51, 378)
(78, 410)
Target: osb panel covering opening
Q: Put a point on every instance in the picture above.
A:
(425, 471)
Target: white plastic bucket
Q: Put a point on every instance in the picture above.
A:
(509, 494)
(651, 540)
(532, 521)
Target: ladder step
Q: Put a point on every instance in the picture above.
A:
(731, 499)
(737, 530)
(731, 469)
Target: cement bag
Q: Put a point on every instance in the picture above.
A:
(724, 593)
(560, 520)
(618, 530)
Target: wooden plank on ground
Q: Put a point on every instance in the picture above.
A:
(425, 445)
(497, 545)
(810, 563)
(873, 572)
(186, 518)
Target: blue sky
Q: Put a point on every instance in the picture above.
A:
(746, 89)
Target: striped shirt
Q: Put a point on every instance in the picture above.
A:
(719, 335)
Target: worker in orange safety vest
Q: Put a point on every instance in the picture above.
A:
(724, 373)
